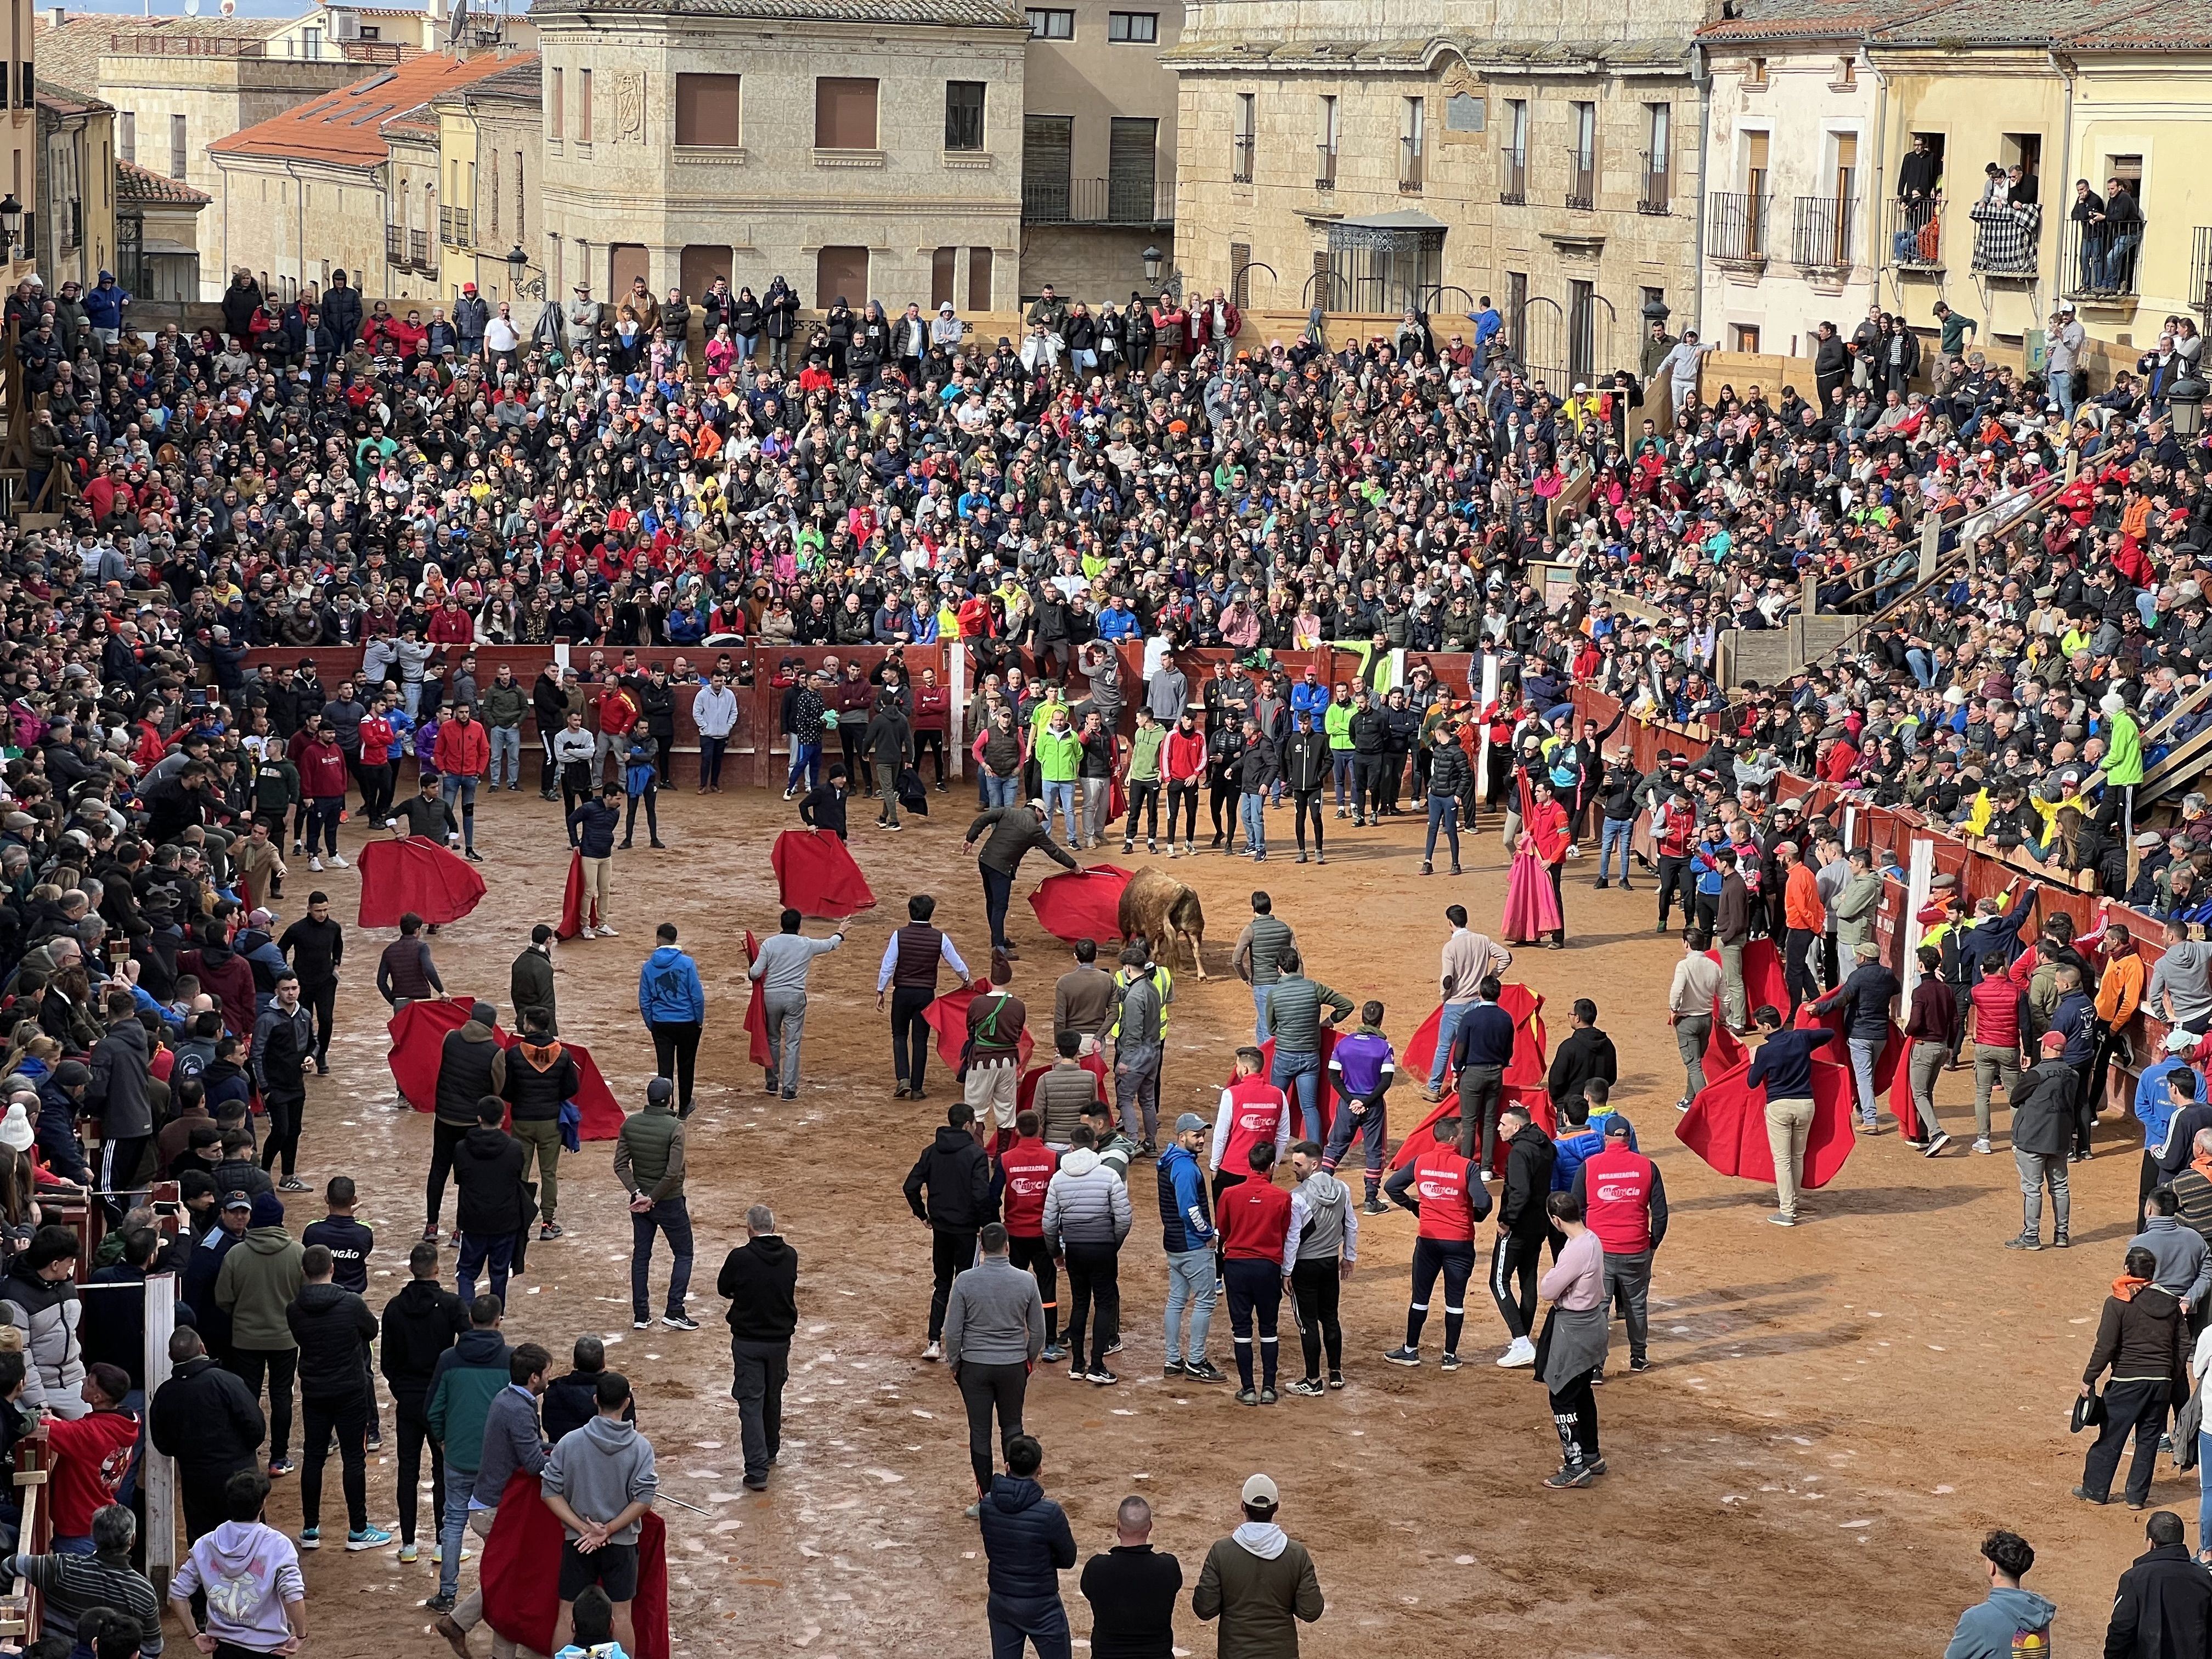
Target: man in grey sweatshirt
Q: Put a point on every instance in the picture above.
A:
(994, 1333)
(781, 967)
(2185, 1264)
(600, 1482)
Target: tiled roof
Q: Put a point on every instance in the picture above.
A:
(970, 14)
(72, 52)
(347, 126)
(522, 81)
(136, 184)
(1809, 20)
(1502, 56)
(417, 123)
(2036, 22)
(51, 94)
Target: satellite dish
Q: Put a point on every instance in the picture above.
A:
(191, 8)
(229, 7)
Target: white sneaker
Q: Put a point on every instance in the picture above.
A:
(587, 933)
(606, 931)
(1982, 1144)
(1521, 1353)
(337, 862)
(316, 865)
(934, 1350)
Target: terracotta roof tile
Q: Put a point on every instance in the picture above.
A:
(134, 183)
(348, 126)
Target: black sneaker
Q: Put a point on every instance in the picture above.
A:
(2061, 1242)
(1571, 1476)
(1449, 1362)
(1204, 1371)
(1267, 1396)
(1640, 1363)
(1305, 1389)
(1101, 1376)
(1336, 1380)
(1374, 1206)
(1402, 1356)
(473, 856)
(676, 1322)
(2024, 1242)
(1173, 1368)
(440, 1603)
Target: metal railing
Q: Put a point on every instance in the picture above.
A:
(1821, 235)
(2200, 276)
(1914, 230)
(1241, 154)
(1410, 163)
(418, 250)
(324, 51)
(395, 246)
(1655, 191)
(1513, 177)
(2102, 262)
(1106, 201)
(1324, 166)
(1735, 226)
(1582, 181)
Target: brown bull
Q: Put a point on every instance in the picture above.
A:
(1165, 911)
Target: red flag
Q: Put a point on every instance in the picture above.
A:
(415, 874)
(1724, 1050)
(948, 1018)
(519, 1595)
(816, 875)
(757, 1011)
(1726, 1126)
(1070, 906)
(419, 1035)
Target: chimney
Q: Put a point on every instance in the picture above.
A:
(59, 17)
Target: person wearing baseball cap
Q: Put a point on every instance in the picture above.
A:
(1259, 1582)
(2042, 1136)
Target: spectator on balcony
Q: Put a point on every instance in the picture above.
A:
(2124, 227)
(1830, 366)
(2087, 214)
(1920, 171)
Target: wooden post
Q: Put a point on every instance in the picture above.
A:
(956, 681)
(1931, 545)
(157, 1474)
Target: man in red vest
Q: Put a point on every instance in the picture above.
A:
(1625, 1204)
(1443, 1186)
(1025, 1169)
(1252, 1111)
(1259, 1253)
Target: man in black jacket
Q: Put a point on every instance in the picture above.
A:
(2163, 1606)
(1014, 831)
(1585, 1053)
(420, 1324)
(1132, 1590)
(471, 1065)
(572, 1400)
(761, 1279)
(541, 1077)
(206, 1418)
(956, 1173)
(333, 1328)
(487, 1169)
(1522, 1226)
(2042, 1136)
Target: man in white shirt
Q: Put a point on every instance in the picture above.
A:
(1468, 958)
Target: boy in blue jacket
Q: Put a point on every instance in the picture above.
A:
(2013, 1622)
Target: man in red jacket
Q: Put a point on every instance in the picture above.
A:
(1624, 1203)
(322, 766)
(618, 712)
(932, 722)
(1258, 1253)
(1025, 1169)
(1443, 1186)
(462, 756)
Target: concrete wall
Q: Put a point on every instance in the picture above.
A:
(296, 228)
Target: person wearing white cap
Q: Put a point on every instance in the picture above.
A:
(1259, 1582)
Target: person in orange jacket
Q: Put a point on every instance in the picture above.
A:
(1803, 916)
(2119, 993)
(462, 755)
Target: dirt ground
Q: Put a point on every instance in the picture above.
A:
(1835, 1417)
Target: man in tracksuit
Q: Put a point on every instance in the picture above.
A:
(1327, 1229)
(1361, 1069)
(1186, 1234)
(1624, 1200)
(955, 1172)
(1523, 1226)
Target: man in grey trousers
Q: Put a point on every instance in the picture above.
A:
(994, 1333)
(781, 967)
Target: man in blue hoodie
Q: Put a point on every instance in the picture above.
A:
(1029, 1542)
(2013, 1622)
(1186, 1234)
(674, 1005)
(2155, 1106)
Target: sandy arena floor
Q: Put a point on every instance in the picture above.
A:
(1836, 1414)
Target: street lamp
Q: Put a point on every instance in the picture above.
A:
(2184, 401)
(1152, 257)
(1655, 310)
(11, 221)
(520, 283)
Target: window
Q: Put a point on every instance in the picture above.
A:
(1847, 72)
(699, 264)
(1051, 25)
(1136, 28)
(2023, 150)
(1047, 148)
(979, 279)
(1658, 134)
(1246, 138)
(1131, 151)
(553, 106)
(1327, 136)
(1582, 154)
(128, 136)
(963, 115)
(1581, 332)
(311, 43)
(584, 106)
(1513, 163)
(626, 262)
(371, 32)
(179, 149)
(1755, 72)
(844, 113)
(491, 191)
(520, 228)
(941, 265)
(1745, 336)
(1412, 119)
(1516, 310)
(706, 110)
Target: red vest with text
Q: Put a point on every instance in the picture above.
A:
(1255, 1220)
(1617, 1186)
(1441, 1180)
(1256, 1109)
(1028, 1166)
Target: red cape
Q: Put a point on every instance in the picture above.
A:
(572, 902)
(817, 876)
(418, 1036)
(948, 1018)
(520, 1594)
(1531, 1053)
(1762, 982)
(1886, 1063)
(1724, 1050)
(1534, 1097)
(1726, 1126)
(757, 1011)
(1088, 906)
(414, 874)
(1025, 1091)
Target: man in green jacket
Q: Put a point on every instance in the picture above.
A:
(1060, 763)
(501, 706)
(1144, 750)
(2124, 763)
(1259, 1582)
(649, 1164)
(1336, 723)
(259, 1279)
(467, 1378)
(1293, 1018)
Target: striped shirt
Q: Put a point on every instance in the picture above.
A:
(74, 1584)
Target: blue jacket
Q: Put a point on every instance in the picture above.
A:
(1186, 1223)
(2154, 1107)
(668, 989)
(1986, 1632)
(1026, 1535)
(1484, 1037)
(595, 824)
(1994, 936)
(1310, 700)
(2077, 1016)
(103, 302)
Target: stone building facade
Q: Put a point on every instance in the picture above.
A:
(866, 148)
(1368, 158)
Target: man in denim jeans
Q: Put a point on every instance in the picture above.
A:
(1616, 798)
(649, 1164)
(1294, 1020)
(1186, 1234)
(1468, 958)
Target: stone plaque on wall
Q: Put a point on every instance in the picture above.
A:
(1464, 113)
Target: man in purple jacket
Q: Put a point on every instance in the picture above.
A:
(1361, 1068)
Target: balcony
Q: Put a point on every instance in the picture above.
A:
(1513, 178)
(2097, 267)
(395, 246)
(1582, 181)
(2200, 275)
(1410, 164)
(2006, 239)
(1736, 227)
(1656, 186)
(418, 250)
(454, 227)
(1110, 201)
(1912, 232)
(1822, 234)
(1240, 160)
(1324, 166)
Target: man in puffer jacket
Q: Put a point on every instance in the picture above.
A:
(471, 1065)
(118, 1095)
(259, 1280)
(1087, 1217)
(1029, 1543)
(38, 1300)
